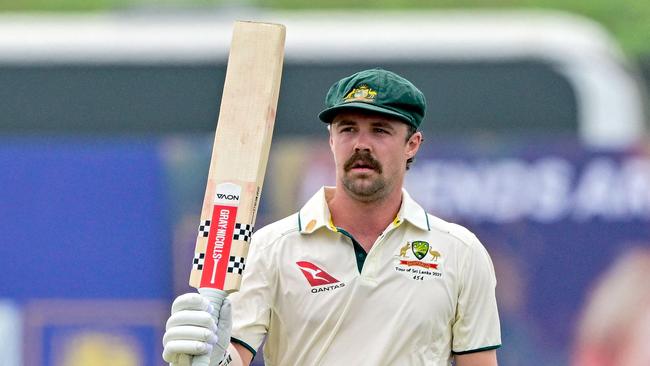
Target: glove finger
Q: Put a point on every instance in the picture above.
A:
(225, 316)
(174, 348)
(225, 313)
(193, 318)
(184, 360)
(189, 333)
(191, 301)
(224, 325)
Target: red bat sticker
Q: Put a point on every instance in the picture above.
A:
(222, 225)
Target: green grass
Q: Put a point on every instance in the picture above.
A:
(627, 20)
(58, 5)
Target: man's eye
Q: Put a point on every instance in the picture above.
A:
(380, 130)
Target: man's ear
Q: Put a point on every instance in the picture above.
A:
(329, 130)
(413, 144)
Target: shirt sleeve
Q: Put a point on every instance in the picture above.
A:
(476, 325)
(251, 309)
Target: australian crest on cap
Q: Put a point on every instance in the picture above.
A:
(361, 93)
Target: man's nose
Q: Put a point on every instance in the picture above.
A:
(362, 142)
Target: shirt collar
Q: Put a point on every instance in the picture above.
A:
(315, 214)
(412, 212)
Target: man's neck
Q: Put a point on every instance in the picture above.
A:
(365, 221)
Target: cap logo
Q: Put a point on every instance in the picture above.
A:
(362, 93)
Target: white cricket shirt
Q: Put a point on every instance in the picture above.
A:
(423, 292)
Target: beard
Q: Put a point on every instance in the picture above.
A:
(364, 187)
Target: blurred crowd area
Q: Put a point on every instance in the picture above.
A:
(536, 139)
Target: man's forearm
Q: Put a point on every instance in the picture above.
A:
(483, 358)
(237, 355)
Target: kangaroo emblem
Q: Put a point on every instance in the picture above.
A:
(402, 250)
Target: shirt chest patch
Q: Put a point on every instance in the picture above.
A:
(419, 261)
(319, 280)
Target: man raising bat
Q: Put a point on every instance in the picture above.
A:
(361, 275)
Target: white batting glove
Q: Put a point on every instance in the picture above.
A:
(193, 330)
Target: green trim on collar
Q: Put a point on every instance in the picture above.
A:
(246, 345)
(426, 216)
(317, 214)
(359, 253)
(488, 348)
(411, 211)
(299, 223)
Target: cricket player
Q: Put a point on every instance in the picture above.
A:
(361, 275)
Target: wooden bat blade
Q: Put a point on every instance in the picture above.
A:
(239, 155)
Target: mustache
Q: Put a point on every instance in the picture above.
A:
(362, 158)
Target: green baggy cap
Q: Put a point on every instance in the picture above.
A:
(379, 91)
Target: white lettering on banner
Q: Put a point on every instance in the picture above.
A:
(220, 237)
(614, 192)
(545, 190)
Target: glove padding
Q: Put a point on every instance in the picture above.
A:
(191, 330)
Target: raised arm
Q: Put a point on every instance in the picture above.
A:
(483, 358)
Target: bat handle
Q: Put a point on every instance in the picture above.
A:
(216, 298)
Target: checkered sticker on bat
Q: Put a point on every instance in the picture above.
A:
(242, 232)
(199, 260)
(204, 228)
(236, 264)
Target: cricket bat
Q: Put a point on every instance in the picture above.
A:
(238, 162)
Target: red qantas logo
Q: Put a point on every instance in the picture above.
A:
(314, 275)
